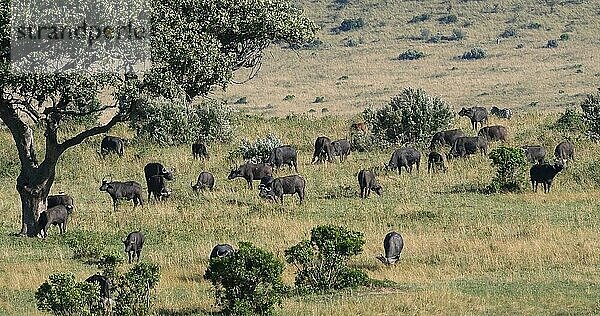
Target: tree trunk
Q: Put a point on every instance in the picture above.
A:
(33, 190)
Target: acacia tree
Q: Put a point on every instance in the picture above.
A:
(194, 46)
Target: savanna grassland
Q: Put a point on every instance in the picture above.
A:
(465, 252)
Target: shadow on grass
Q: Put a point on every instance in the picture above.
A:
(199, 278)
(467, 188)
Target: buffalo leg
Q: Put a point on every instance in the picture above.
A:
(129, 253)
(301, 196)
(138, 252)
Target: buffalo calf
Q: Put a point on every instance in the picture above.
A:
(199, 150)
(112, 144)
(205, 181)
(341, 148)
(535, 154)
(435, 161)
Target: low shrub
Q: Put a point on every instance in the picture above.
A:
(474, 53)
(62, 295)
(420, 18)
(570, 121)
(552, 44)
(351, 24)
(564, 37)
(411, 54)
(248, 282)
(533, 25)
(319, 99)
(591, 115)
(322, 261)
(510, 164)
(448, 19)
(289, 97)
(457, 35)
(509, 32)
(242, 100)
(257, 152)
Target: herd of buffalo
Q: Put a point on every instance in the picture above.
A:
(59, 207)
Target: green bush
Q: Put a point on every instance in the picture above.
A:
(457, 35)
(242, 100)
(322, 261)
(425, 34)
(62, 295)
(552, 44)
(591, 115)
(564, 37)
(257, 152)
(248, 282)
(510, 164)
(474, 53)
(448, 19)
(87, 248)
(168, 123)
(570, 121)
(411, 116)
(411, 54)
(509, 32)
(351, 24)
(420, 18)
(533, 25)
(289, 97)
(319, 99)
(133, 295)
(364, 142)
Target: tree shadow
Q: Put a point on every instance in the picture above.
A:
(187, 312)
(467, 188)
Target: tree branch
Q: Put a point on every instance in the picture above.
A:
(77, 139)
(74, 113)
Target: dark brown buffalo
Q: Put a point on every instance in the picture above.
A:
(199, 150)
(564, 151)
(284, 185)
(341, 148)
(535, 154)
(544, 173)
(205, 181)
(464, 146)
(367, 182)
(435, 161)
(323, 150)
(445, 138)
(404, 157)
(251, 171)
(493, 133)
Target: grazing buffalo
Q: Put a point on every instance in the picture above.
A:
(341, 148)
(535, 154)
(56, 215)
(392, 245)
(156, 175)
(367, 182)
(133, 245)
(464, 146)
(544, 173)
(112, 144)
(205, 181)
(435, 161)
(104, 284)
(284, 155)
(251, 171)
(360, 126)
(61, 199)
(445, 138)
(564, 151)
(157, 187)
(501, 113)
(323, 150)
(404, 157)
(477, 114)
(284, 185)
(199, 150)
(493, 133)
(265, 182)
(221, 250)
(117, 190)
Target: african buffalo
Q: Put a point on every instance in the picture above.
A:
(367, 182)
(476, 114)
(435, 161)
(205, 181)
(157, 187)
(341, 148)
(323, 150)
(464, 146)
(493, 133)
(284, 185)
(404, 157)
(445, 138)
(535, 154)
(61, 199)
(251, 171)
(133, 245)
(564, 151)
(199, 150)
(284, 155)
(392, 245)
(117, 190)
(112, 144)
(501, 113)
(221, 250)
(56, 215)
(544, 173)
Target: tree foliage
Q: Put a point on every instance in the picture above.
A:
(510, 164)
(257, 152)
(591, 115)
(411, 116)
(62, 295)
(322, 261)
(247, 282)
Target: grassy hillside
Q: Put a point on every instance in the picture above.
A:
(350, 78)
(465, 252)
